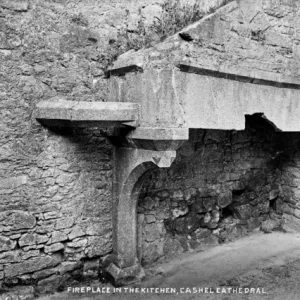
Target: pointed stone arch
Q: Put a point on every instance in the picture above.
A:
(130, 167)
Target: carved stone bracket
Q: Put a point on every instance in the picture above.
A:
(130, 167)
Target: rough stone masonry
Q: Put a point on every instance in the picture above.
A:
(55, 185)
(223, 185)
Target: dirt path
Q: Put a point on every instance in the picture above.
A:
(267, 262)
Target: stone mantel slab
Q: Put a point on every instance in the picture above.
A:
(65, 111)
(191, 97)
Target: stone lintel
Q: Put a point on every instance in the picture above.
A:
(71, 111)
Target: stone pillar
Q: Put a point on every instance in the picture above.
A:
(136, 153)
(130, 167)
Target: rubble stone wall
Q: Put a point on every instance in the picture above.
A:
(257, 38)
(55, 186)
(222, 185)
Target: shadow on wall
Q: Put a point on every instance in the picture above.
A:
(67, 227)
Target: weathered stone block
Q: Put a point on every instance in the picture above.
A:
(197, 206)
(263, 207)
(205, 220)
(65, 222)
(148, 203)
(209, 203)
(243, 212)
(51, 215)
(151, 232)
(201, 233)
(150, 219)
(50, 284)
(27, 248)
(27, 239)
(253, 223)
(77, 231)
(189, 194)
(99, 228)
(19, 220)
(187, 224)
(177, 195)
(14, 236)
(297, 213)
(78, 243)
(10, 257)
(68, 267)
(44, 273)
(54, 247)
(215, 216)
(290, 223)
(180, 211)
(19, 293)
(285, 208)
(31, 265)
(58, 236)
(13, 182)
(152, 252)
(6, 244)
(269, 225)
(172, 247)
(99, 246)
(206, 192)
(210, 240)
(224, 199)
(28, 254)
(164, 194)
(41, 239)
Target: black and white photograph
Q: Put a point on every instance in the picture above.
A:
(149, 149)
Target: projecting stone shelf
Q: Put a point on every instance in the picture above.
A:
(70, 113)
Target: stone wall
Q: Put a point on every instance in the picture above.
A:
(55, 185)
(257, 38)
(55, 205)
(223, 185)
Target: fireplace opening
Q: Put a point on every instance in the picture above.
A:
(225, 188)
